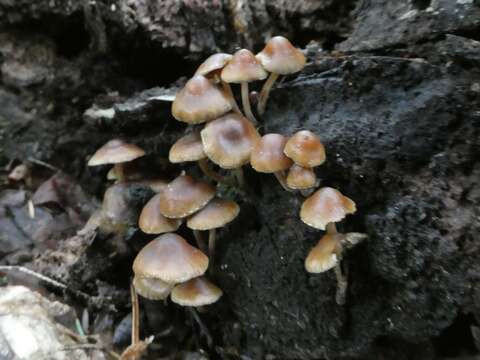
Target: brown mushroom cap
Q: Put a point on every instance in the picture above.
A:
(305, 148)
(200, 101)
(243, 67)
(116, 210)
(279, 56)
(151, 221)
(228, 141)
(300, 178)
(196, 292)
(114, 152)
(170, 258)
(151, 288)
(267, 154)
(184, 196)
(187, 148)
(217, 213)
(323, 256)
(324, 206)
(213, 63)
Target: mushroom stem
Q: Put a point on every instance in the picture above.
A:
(331, 228)
(246, 103)
(120, 172)
(238, 172)
(203, 329)
(135, 316)
(200, 242)
(342, 285)
(267, 86)
(228, 89)
(281, 177)
(211, 245)
(203, 165)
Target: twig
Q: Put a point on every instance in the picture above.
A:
(43, 163)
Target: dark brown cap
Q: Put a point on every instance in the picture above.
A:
(326, 205)
(171, 259)
(114, 152)
(187, 148)
(267, 154)
(184, 196)
(279, 56)
(200, 101)
(243, 67)
(217, 213)
(228, 141)
(305, 148)
(196, 292)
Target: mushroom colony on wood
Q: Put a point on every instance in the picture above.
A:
(221, 138)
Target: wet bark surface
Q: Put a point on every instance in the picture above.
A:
(393, 90)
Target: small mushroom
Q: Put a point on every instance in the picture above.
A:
(196, 292)
(279, 57)
(200, 101)
(190, 148)
(326, 205)
(116, 152)
(268, 157)
(212, 68)
(301, 178)
(216, 214)
(184, 196)
(151, 221)
(325, 255)
(228, 142)
(171, 259)
(305, 149)
(151, 288)
(116, 214)
(242, 69)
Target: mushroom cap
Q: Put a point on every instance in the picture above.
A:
(196, 292)
(279, 56)
(200, 101)
(171, 259)
(228, 141)
(184, 196)
(115, 151)
(300, 178)
(217, 213)
(151, 221)
(324, 206)
(305, 149)
(151, 288)
(213, 63)
(187, 148)
(323, 256)
(267, 154)
(243, 67)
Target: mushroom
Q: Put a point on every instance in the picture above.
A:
(116, 152)
(268, 157)
(242, 69)
(301, 178)
(325, 255)
(151, 221)
(200, 101)
(228, 142)
(184, 196)
(279, 57)
(326, 205)
(216, 214)
(170, 258)
(190, 148)
(305, 149)
(212, 68)
(196, 292)
(151, 288)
